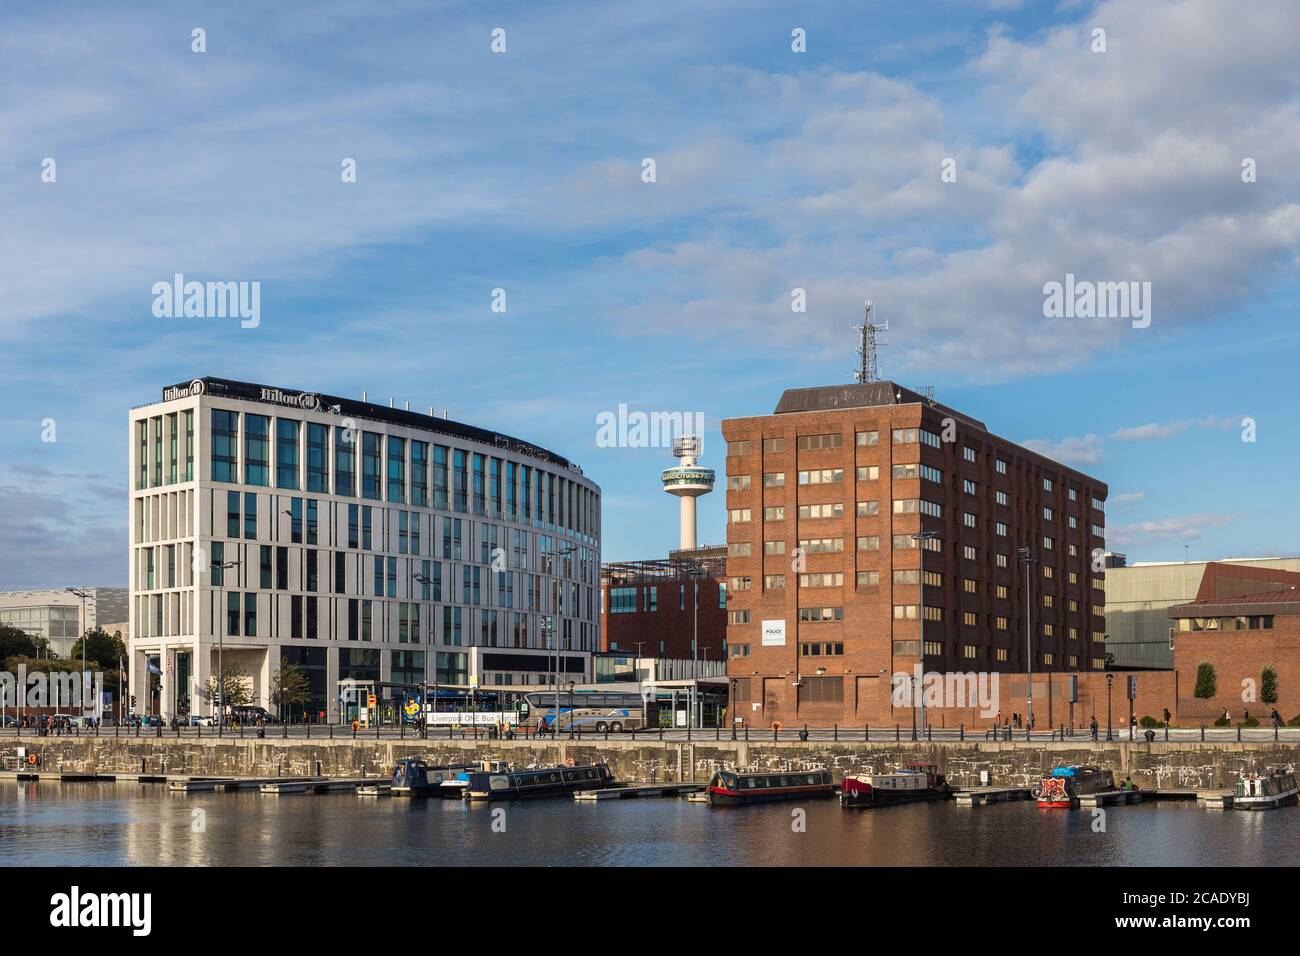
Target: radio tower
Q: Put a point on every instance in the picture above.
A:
(687, 481)
(868, 370)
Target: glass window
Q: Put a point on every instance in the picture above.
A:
(225, 435)
(286, 453)
(257, 450)
(370, 465)
(396, 469)
(318, 437)
(345, 462)
(420, 473)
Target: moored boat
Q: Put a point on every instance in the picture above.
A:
(734, 787)
(919, 782)
(416, 778)
(1264, 791)
(1062, 788)
(505, 784)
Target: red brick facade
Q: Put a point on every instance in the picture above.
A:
(880, 463)
(652, 607)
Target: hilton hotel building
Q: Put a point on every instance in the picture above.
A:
(371, 543)
(829, 587)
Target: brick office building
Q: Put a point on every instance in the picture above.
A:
(824, 596)
(1243, 619)
(650, 607)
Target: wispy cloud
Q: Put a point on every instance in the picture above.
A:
(1185, 528)
(1086, 450)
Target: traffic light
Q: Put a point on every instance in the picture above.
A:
(133, 701)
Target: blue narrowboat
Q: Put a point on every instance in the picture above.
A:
(415, 778)
(505, 784)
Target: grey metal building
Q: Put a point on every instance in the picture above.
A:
(1138, 598)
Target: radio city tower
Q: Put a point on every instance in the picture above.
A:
(688, 481)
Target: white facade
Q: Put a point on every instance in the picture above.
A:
(329, 576)
(55, 615)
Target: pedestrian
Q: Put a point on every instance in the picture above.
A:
(1092, 725)
(1275, 717)
(1166, 715)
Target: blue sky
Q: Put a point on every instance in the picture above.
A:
(775, 170)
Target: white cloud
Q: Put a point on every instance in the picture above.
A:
(1085, 450)
(1185, 528)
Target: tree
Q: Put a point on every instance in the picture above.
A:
(1268, 685)
(235, 681)
(102, 648)
(289, 687)
(15, 642)
(1207, 681)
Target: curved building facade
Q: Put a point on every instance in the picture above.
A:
(360, 541)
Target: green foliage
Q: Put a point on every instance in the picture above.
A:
(1223, 722)
(1268, 685)
(102, 649)
(15, 642)
(290, 687)
(237, 686)
(1294, 721)
(1149, 722)
(1207, 681)
(1250, 722)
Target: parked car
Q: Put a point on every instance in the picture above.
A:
(10, 721)
(199, 720)
(250, 715)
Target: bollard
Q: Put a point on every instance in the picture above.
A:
(717, 732)
(835, 732)
(331, 727)
(897, 733)
(961, 731)
(285, 734)
(747, 733)
(774, 731)
(607, 732)
(160, 731)
(928, 732)
(1166, 733)
(1239, 733)
(1202, 733)
(866, 732)
(661, 731)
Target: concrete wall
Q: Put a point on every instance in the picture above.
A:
(1185, 765)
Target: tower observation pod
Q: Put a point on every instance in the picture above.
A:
(688, 481)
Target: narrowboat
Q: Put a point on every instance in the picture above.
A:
(415, 778)
(729, 788)
(1264, 791)
(505, 784)
(919, 782)
(1062, 788)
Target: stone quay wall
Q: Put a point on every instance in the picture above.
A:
(1174, 765)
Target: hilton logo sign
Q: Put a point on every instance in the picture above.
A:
(304, 400)
(195, 388)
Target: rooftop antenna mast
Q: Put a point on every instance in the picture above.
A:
(868, 369)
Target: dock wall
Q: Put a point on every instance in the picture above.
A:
(1163, 765)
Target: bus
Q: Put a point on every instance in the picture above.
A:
(592, 710)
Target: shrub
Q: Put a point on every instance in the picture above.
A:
(1223, 722)
(1250, 722)
(1207, 681)
(1294, 721)
(1148, 721)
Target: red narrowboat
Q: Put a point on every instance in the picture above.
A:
(734, 788)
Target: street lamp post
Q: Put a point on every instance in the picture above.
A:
(1110, 679)
(1027, 558)
(570, 710)
(83, 595)
(731, 708)
(921, 537)
(554, 635)
(425, 581)
(223, 567)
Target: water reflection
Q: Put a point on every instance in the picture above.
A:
(126, 823)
